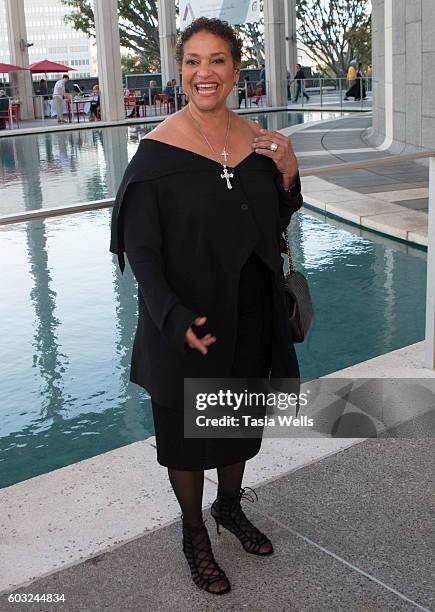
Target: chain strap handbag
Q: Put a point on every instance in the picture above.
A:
(298, 299)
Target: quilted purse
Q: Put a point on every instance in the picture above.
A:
(298, 299)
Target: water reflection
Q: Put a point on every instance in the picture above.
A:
(64, 168)
(69, 319)
(77, 166)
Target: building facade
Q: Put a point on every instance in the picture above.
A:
(404, 75)
(52, 38)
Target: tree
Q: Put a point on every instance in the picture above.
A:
(252, 35)
(327, 29)
(138, 31)
(138, 27)
(137, 64)
(361, 42)
(332, 32)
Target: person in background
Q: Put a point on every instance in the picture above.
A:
(262, 81)
(4, 108)
(351, 79)
(153, 90)
(94, 110)
(247, 86)
(43, 91)
(59, 93)
(43, 88)
(126, 90)
(299, 78)
(263, 73)
(169, 91)
(358, 88)
(289, 82)
(361, 83)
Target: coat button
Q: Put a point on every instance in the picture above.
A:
(244, 206)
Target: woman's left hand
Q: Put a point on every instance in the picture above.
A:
(283, 157)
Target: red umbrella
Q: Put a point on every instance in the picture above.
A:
(10, 68)
(48, 66)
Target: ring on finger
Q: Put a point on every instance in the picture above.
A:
(273, 146)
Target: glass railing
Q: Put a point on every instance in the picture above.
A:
(331, 93)
(318, 92)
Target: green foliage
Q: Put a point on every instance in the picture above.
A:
(136, 64)
(360, 40)
(138, 29)
(332, 31)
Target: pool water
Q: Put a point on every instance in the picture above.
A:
(67, 319)
(55, 169)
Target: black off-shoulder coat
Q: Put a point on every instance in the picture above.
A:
(193, 237)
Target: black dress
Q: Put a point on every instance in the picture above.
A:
(252, 359)
(198, 248)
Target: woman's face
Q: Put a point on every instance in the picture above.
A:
(208, 70)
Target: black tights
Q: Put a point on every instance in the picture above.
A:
(189, 485)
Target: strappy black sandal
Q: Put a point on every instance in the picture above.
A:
(227, 511)
(206, 573)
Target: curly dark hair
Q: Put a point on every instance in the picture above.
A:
(214, 26)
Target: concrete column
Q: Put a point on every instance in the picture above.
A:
(274, 46)
(21, 81)
(167, 38)
(430, 289)
(388, 41)
(291, 48)
(109, 60)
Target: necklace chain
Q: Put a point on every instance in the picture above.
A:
(225, 174)
(224, 152)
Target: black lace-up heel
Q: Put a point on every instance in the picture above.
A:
(227, 511)
(206, 573)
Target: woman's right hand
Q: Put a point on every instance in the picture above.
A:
(200, 344)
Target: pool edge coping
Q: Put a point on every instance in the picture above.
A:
(408, 359)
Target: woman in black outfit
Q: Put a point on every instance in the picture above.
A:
(200, 212)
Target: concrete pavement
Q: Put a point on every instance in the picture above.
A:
(391, 199)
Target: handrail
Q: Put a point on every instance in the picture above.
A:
(346, 167)
(41, 213)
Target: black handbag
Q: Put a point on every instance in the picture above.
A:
(298, 299)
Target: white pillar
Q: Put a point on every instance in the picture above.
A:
(19, 55)
(430, 287)
(291, 47)
(274, 46)
(167, 37)
(109, 60)
(388, 76)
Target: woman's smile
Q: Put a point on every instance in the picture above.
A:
(206, 89)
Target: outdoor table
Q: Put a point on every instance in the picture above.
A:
(82, 105)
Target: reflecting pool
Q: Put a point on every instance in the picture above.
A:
(55, 169)
(67, 320)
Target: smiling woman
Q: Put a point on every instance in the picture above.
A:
(200, 213)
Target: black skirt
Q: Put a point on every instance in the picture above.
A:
(252, 358)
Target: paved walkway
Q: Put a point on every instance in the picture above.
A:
(351, 532)
(392, 199)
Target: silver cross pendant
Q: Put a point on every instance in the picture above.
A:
(227, 175)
